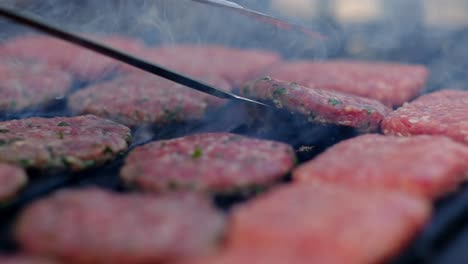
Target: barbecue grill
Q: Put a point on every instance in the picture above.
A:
(382, 33)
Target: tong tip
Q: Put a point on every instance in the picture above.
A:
(240, 98)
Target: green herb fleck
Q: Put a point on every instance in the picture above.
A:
(4, 131)
(171, 115)
(296, 160)
(279, 91)
(197, 153)
(68, 161)
(24, 162)
(334, 101)
(369, 110)
(246, 90)
(143, 100)
(89, 163)
(9, 141)
(60, 134)
(108, 151)
(173, 185)
(63, 124)
(259, 189)
(312, 117)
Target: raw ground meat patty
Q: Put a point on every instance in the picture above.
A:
(425, 165)
(25, 84)
(253, 256)
(61, 142)
(96, 226)
(390, 83)
(440, 113)
(85, 64)
(318, 105)
(19, 259)
(234, 65)
(12, 179)
(219, 162)
(139, 99)
(323, 220)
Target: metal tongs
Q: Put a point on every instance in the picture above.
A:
(277, 22)
(133, 60)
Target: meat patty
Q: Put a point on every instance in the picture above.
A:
(312, 221)
(61, 142)
(139, 99)
(424, 165)
(234, 65)
(97, 226)
(440, 113)
(255, 256)
(391, 83)
(318, 105)
(12, 179)
(219, 162)
(25, 84)
(23, 259)
(84, 64)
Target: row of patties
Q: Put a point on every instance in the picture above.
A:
(359, 202)
(138, 98)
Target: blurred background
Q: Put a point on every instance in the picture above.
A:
(429, 32)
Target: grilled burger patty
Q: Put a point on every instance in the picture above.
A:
(97, 226)
(23, 259)
(12, 179)
(61, 142)
(318, 105)
(84, 64)
(254, 256)
(316, 221)
(219, 162)
(25, 84)
(234, 65)
(391, 83)
(425, 165)
(139, 99)
(439, 113)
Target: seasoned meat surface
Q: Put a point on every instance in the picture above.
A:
(24, 259)
(61, 142)
(27, 84)
(321, 106)
(390, 83)
(429, 166)
(97, 226)
(83, 64)
(439, 113)
(218, 162)
(325, 221)
(235, 65)
(12, 179)
(142, 99)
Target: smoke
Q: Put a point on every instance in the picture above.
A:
(398, 33)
